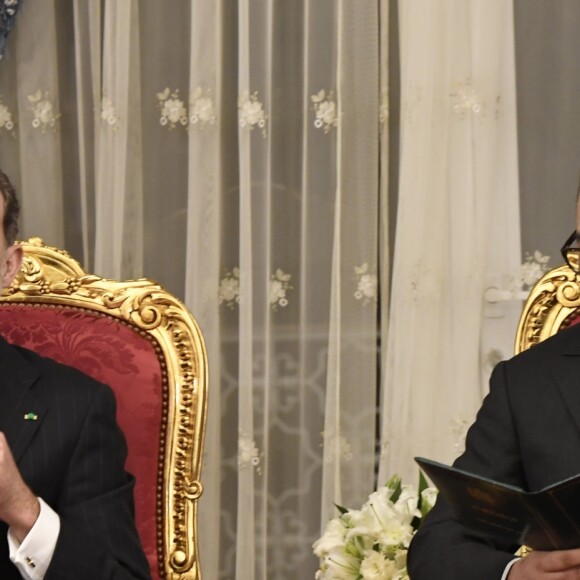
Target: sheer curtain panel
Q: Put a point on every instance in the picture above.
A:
(231, 151)
(457, 221)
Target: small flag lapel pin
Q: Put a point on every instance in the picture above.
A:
(30, 417)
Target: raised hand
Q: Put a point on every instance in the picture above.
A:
(19, 507)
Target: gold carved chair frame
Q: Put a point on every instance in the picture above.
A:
(551, 306)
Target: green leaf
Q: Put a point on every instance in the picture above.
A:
(341, 509)
(423, 483)
(396, 485)
(424, 509)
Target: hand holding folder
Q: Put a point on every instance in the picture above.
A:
(548, 519)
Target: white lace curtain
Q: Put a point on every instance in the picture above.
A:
(237, 153)
(231, 151)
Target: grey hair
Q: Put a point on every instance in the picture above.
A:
(11, 209)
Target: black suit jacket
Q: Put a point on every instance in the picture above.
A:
(73, 457)
(527, 433)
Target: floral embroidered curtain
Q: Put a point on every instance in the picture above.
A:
(238, 153)
(230, 151)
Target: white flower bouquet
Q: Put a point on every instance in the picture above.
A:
(372, 543)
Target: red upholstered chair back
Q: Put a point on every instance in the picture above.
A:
(143, 343)
(116, 355)
(553, 304)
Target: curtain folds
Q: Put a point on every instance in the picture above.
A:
(119, 174)
(204, 248)
(350, 413)
(38, 104)
(458, 126)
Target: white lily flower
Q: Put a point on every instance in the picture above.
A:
(334, 536)
(372, 543)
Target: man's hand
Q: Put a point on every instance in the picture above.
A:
(19, 507)
(557, 565)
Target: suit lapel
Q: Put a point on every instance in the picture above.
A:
(21, 412)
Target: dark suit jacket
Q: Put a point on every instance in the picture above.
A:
(73, 457)
(527, 433)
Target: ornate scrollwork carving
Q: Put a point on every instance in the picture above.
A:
(194, 490)
(51, 276)
(568, 293)
(142, 305)
(552, 301)
(31, 269)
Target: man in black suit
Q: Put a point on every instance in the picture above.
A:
(527, 433)
(66, 503)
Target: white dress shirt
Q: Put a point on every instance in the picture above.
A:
(508, 568)
(33, 556)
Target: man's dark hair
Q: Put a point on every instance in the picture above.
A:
(11, 209)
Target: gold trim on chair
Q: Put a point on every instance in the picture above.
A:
(50, 276)
(551, 305)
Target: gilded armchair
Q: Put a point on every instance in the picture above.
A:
(143, 342)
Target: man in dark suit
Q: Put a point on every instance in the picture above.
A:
(527, 433)
(66, 503)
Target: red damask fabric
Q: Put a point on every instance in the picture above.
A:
(114, 354)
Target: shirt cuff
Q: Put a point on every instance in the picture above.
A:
(34, 555)
(508, 568)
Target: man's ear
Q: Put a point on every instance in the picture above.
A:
(11, 266)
